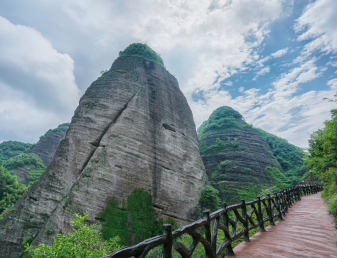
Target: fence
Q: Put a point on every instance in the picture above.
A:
(273, 206)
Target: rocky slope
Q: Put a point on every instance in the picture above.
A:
(237, 158)
(46, 147)
(132, 135)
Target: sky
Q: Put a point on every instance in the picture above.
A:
(272, 60)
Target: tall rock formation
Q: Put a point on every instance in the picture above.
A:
(46, 147)
(235, 156)
(133, 129)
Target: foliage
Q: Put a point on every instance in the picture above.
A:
(322, 159)
(10, 189)
(143, 50)
(158, 226)
(218, 146)
(24, 159)
(10, 149)
(143, 219)
(114, 222)
(140, 207)
(60, 129)
(85, 241)
(280, 180)
(332, 205)
(33, 162)
(27, 240)
(222, 118)
(269, 190)
(288, 155)
(249, 193)
(209, 198)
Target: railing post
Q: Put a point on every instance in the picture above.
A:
(278, 207)
(245, 224)
(229, 249)
(282, 203)
(271, 221)
(167, 232)
(260, 218)
(215, 235)
(207, 226)
(285, 201)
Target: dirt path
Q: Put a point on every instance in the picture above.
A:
(307, 231)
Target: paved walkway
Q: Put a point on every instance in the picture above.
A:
(307, 231)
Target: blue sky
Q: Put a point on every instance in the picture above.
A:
(272, 60)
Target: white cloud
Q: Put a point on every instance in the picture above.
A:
(241, 89)
(262, 72)
(38, 89)
(280, 53)
(281, 111)
(334, 64)
(229, 83)
(318, 24)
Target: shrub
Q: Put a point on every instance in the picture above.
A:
(143, 50)
(332, 205)
(84, 242)
(209, 198)
(27, 241)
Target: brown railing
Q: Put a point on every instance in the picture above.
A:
(271, 206)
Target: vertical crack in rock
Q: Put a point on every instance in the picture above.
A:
(154, 118)
(97, 142)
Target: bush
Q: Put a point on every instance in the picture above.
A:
(143, 50)
(27, 241)
(85, 241)
(332, 206)
(209, 198)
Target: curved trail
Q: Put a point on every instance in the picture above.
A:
(307, 231)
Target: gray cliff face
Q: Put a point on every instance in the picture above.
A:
(46, 147)
(132, 129)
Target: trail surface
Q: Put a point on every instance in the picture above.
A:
(307, 231)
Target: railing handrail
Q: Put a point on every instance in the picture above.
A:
(280, 202)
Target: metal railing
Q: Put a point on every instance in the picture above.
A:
(271, 206)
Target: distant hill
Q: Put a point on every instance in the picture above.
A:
(29, 161)
(242, 161)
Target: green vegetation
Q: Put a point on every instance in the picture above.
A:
(60, 129)
(218, 146)
(17, 156)
(31, 161)
(140, 206)
(322, 160)
(143, 219)
(10, 190)
(142, 50)
(10, 149)
(114, 222)
(222, 118)
(84, 242)
(27, 240)
(226, 121)
(209, 199)
(289, 156)
(280, 180)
